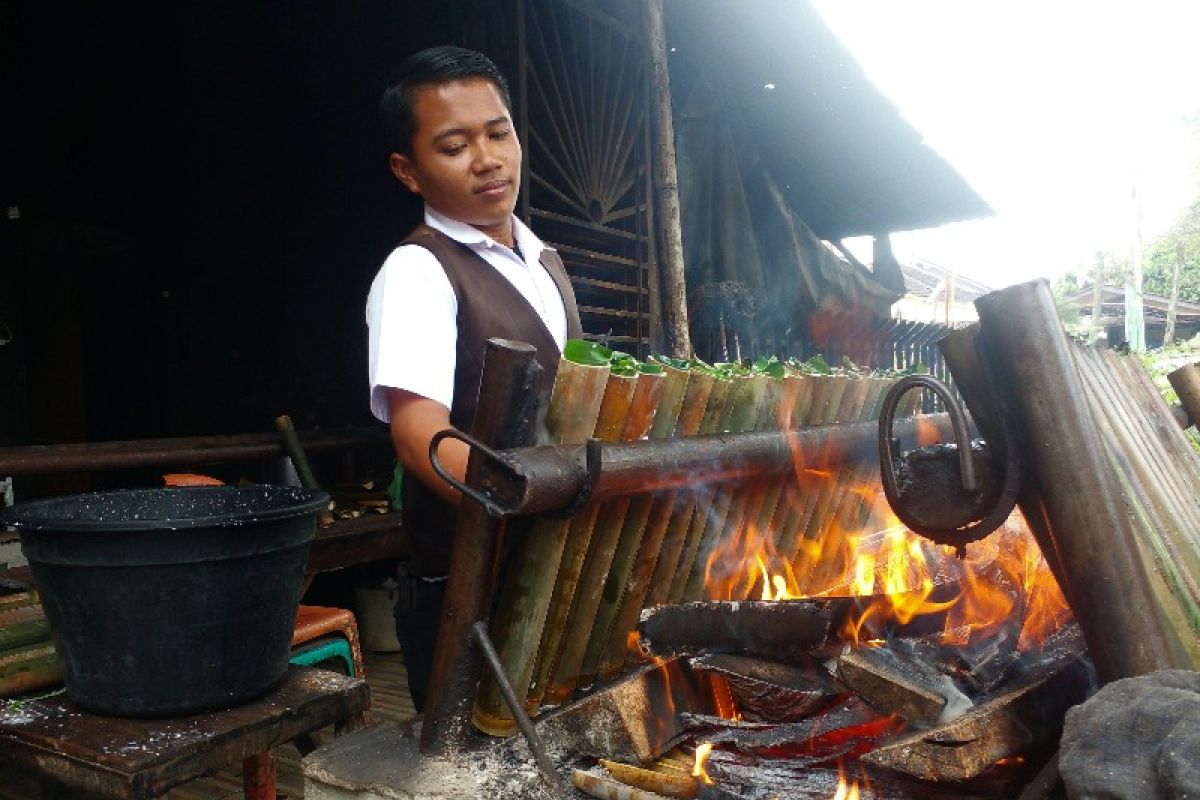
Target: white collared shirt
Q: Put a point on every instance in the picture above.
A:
(411, 310)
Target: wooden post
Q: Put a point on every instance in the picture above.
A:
(666, 188)
(258, 776)
(1169, 333)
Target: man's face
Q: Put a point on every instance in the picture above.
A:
(466, 160)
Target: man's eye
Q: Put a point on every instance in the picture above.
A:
(454, 149)
(500, 134)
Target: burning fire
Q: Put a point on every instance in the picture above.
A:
(846, 792)
(698, 770)
(860, 549)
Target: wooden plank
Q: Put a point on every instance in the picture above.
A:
(607, 285)
(610, 312)
(554, 216)
(144, 758)
(371, 537)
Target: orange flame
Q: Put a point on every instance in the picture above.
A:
(845, 791)
(698, 770)
(859, 548)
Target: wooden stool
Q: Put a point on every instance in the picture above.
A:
(313, 622)
(135, 759)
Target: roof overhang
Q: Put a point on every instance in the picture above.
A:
(850, 162)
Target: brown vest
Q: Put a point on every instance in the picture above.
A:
(488, 307)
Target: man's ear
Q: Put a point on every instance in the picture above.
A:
(405, 172)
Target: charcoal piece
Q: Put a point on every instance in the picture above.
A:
(770, 691)
(1137, 737)
(693, 723)
(781, 630)
(810, 732)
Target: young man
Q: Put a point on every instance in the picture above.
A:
(472, 271)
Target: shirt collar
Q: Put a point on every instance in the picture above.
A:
(530, 245)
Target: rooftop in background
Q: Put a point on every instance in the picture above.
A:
(926, 279)
(1112, 305)
(850, 163)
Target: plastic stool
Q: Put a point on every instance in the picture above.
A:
(333, 647)
(314, 622)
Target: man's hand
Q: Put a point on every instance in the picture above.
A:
(414, 421)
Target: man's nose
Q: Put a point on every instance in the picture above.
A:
(487, 157)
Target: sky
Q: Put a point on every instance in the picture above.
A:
(1052, 110)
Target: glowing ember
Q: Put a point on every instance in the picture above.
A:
(698, 770)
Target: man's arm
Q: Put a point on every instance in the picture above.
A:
(414, 421)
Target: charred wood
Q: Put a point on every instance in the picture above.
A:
(893, 686)
(1007, 725)
(769, 691)
(782, 629)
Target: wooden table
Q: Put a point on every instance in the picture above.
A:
(141, 759)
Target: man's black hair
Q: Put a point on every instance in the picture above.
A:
(432, 67)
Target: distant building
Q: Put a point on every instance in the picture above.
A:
(937, 294)
(1154, 311)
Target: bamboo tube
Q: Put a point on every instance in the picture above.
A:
(742, 418)
(799, 493)
(642, 539)
(821, 493)
(572, 416)
(961, 351)
(1168, 519)
(706, 496)
(819, 523)
(609, 789)
(635, 532)
(1060, 444)
(1186, 383)
(683, 504)
(671, 390)
(859, 498)
(764, 499)
(573, 589)
(668, 784)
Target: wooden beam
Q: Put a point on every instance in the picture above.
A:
(666, 187)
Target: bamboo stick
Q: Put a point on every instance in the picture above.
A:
(576, 589)
(572, 416)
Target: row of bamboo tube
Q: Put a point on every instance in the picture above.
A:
(574, 588)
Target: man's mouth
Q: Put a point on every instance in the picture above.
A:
(492, 188)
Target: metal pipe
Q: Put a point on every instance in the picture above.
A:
(505, 418)
(557, 478)
(186, 451)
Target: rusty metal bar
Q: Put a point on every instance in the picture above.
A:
(178, 452)
(505, 419)
(558, 478)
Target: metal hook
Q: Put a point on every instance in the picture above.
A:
(493, 508)
(958, 419)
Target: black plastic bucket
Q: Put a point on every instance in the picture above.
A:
(165, 602)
